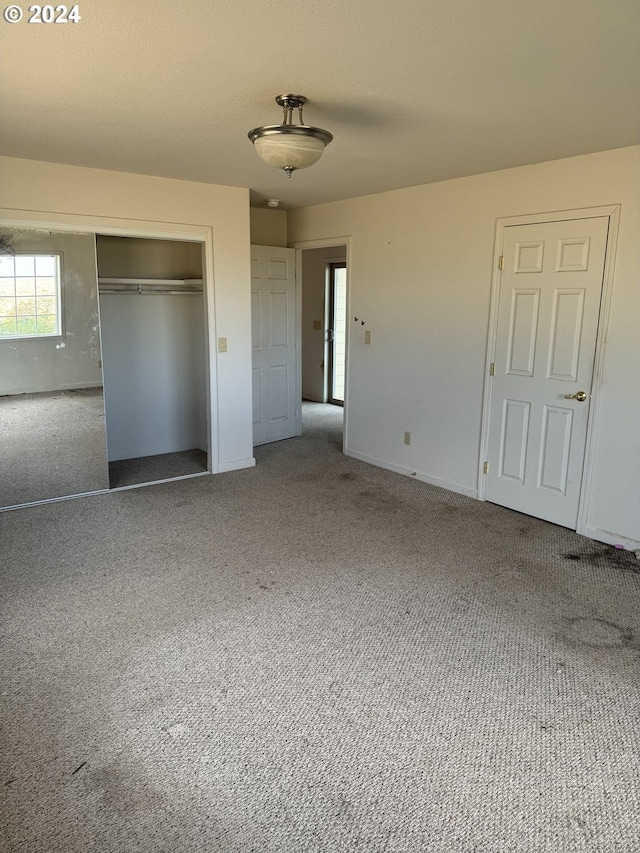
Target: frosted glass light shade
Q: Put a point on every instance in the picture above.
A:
(290, 146)
(289, 150)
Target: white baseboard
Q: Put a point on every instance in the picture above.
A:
(311, 398)
(417, 475)
(69, 386)
(610, 538)
(236, 465)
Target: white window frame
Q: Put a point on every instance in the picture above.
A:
(59, 332)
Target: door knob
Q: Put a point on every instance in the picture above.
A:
(580, 396)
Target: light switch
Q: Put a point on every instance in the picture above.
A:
(317, 325)
(367, 337)
(222, 344)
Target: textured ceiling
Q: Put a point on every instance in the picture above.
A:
(414, 91)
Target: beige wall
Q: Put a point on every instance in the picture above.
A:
(420, 276)
(49, 188)
(268, 227)
(132, 257)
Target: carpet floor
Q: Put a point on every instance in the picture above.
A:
(53, 444)
(314, 656)
(149, 469)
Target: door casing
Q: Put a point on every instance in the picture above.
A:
(613, 212)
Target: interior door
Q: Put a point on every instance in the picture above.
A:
(276, 400)
(551, 284)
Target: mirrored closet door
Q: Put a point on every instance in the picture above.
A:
(52, 422)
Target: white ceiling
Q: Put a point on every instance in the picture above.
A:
(414, 91)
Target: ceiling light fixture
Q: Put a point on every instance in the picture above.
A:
(290, 146)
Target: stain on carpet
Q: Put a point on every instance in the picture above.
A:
(597, 633)
(377, 498)
(606, 555)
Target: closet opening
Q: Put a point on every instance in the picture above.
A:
(154, 358)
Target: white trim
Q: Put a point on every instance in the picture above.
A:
(330, 242)
(159, 482)
(108, 491)
(416, 475)
(298, 268)
(83, 223)
(237, 465)
(598, 370)
(613, 214)
(56, 500)
(322, 243)
(210, 336)
(110, 226)
(73, 386)
(610, 538)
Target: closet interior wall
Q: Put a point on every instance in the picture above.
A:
(152, 317)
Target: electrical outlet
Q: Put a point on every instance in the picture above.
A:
(407, 438)
(222, 344)
(367, 336)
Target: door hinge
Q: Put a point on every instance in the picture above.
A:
(485, 467)
(492, 369)
(500, 262)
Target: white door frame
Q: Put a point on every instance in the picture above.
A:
(613, 213)
(324, 243)
(120, 227)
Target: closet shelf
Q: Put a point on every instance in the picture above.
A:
(141, 286)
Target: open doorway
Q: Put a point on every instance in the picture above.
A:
(336, 320)
(324, 335)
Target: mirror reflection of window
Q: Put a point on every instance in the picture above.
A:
(30, 296)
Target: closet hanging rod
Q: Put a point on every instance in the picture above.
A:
(150, 282)
(149, 291)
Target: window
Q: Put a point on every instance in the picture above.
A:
(30, 296)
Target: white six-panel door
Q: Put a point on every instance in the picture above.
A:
(276, 401)
(551, 285)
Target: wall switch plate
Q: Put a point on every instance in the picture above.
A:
(317, 325)
(407, 438)
(222, 344)
(367, 336)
